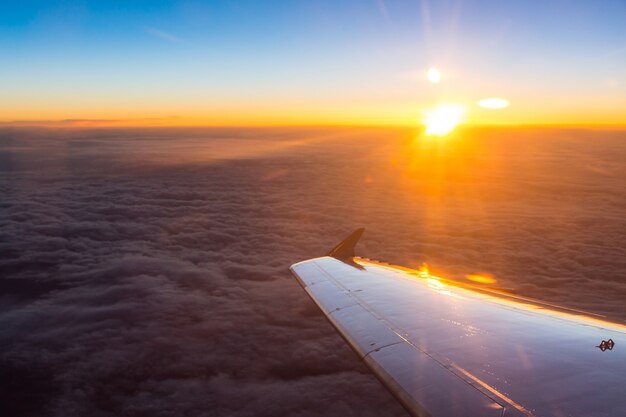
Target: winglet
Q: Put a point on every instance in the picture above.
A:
(345, 250)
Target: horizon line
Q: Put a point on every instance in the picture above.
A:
(141, 124)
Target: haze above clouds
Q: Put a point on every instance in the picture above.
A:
(144, 271)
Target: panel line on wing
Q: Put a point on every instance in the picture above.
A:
(494, 391)
(382, 347)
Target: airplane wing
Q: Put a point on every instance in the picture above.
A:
(445, 349)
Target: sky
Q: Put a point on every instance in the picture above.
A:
(310, 62)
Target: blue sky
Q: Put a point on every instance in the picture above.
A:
(192, 57)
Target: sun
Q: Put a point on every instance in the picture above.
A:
(443, 119)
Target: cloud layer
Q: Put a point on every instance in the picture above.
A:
(144, 272)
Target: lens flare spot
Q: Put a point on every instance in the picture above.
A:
(433, 75)
(443, 119)
(493, 103)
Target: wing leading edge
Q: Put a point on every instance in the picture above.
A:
(448, 351)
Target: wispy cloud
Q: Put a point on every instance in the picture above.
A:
(161, 34)
(382, 8)
(145, 121)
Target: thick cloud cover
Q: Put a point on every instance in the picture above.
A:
(144, 272)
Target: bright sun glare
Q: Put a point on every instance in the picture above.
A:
(443, 119)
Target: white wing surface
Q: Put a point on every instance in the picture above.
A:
(445, 350)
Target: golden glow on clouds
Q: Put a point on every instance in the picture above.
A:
(493, 103)
(433, 75)
(443, 119)
(482, 278)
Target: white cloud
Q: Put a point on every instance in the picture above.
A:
(161, 34)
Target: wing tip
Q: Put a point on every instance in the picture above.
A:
(344, 251)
